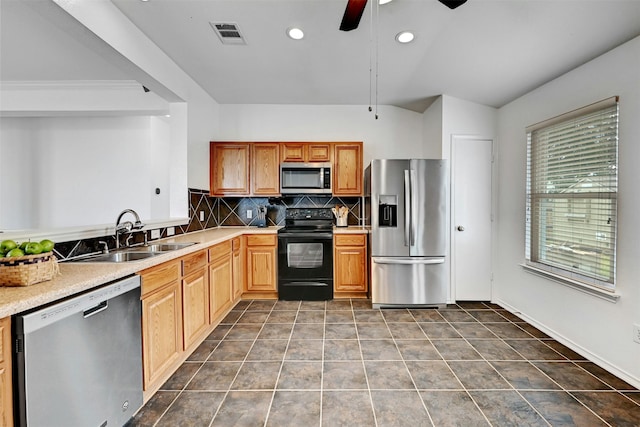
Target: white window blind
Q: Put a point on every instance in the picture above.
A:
(572, 186)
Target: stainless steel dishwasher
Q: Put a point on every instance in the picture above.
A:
(79, 361)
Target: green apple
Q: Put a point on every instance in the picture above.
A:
(15, 252)
(47, 245)
(7, 245)
(33, 248)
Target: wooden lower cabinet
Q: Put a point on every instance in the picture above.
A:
(261, 260)
(162, 342)
(6, 380)
(220, 279)
(350, 265)
(195, 298)
(237, 264)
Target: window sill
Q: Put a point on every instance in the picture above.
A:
(606, 295)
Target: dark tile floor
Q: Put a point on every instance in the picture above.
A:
(340, 363)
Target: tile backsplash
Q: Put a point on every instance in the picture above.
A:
(222, 211)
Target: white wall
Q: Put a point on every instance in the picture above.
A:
(432, 130)
(465, 118)
(599, 330)
(68, 171)
(396, 134)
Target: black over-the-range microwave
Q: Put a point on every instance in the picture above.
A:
(305, 178)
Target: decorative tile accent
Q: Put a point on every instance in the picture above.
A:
(232, 211)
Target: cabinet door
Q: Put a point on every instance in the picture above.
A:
(229, 168)
(261, 268)
(220, 285)
(319, 153)
(293, 152)
(350, 269)
(266, 169)
(237, 269)
(161, 332)
(6, 384)
(347, 169)
(195, 306)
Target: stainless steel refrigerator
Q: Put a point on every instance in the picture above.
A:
(408, 210)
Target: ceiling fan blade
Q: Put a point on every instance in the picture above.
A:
(352, 14)
(452, 4)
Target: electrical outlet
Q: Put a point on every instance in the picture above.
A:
(249, 214)
(171, 231)
(636, 333)
(201, 215)
(155, 234)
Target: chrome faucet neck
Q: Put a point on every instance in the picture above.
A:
(127, 226)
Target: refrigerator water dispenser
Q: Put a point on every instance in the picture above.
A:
(388, 211)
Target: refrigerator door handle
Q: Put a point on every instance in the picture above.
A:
(408, 261)
(414, 203)
(407, 209)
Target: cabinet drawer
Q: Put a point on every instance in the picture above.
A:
(193, 262)
(219, 250)
(156, 277)
(261, 240)
(350, 239)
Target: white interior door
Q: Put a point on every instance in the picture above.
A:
(471, 163)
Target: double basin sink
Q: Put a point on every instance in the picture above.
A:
(136, 253)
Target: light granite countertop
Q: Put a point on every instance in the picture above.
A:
(76, 277)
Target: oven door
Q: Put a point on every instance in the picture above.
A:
(305, 256)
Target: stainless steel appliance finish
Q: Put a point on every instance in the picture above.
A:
(305, 255)
(305, 178)
(79, 361)
(408, 210)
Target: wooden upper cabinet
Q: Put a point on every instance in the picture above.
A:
(229, 168)
(293, 151)
(347, 169)
(311, 152)
(319, 153)
(266, 169)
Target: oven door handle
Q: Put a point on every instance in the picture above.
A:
(307, 235)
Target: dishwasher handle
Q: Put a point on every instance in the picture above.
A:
(95, 309)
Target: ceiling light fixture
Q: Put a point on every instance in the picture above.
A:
(295, 33)
(405, 37)
(384, 1)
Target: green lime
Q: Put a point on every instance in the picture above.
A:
(33, 248)
(47, 245)
(23, 245)
(15, 252)
(7, 245)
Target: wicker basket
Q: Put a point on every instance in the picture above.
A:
(28, 270)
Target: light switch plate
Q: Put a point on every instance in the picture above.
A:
(201, 215)
(249, 214)
(155, 234)
(171, 231)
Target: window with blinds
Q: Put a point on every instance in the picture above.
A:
(572, 186)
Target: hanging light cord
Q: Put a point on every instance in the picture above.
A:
(370, 56)
(377, 50)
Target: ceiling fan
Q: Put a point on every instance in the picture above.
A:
(355, 8)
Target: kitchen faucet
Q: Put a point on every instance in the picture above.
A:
(127, 226)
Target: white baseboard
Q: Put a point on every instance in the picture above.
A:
(625, 376)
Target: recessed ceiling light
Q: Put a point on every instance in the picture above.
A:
(405, 37)
(384, 1)
(295, 33)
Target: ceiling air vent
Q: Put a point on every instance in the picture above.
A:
(228, 32)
